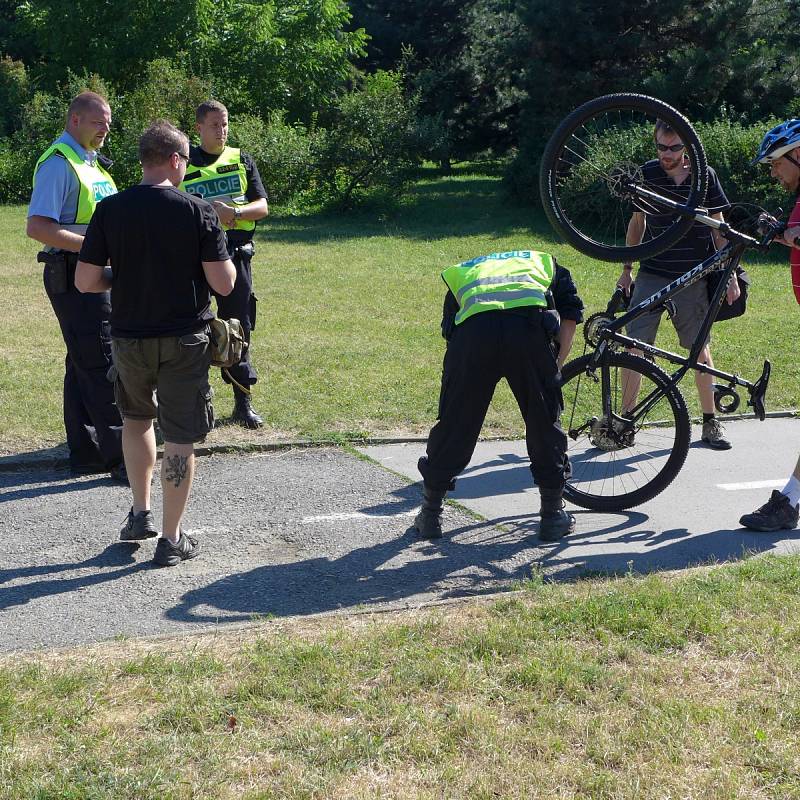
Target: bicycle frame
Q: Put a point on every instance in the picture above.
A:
(657, 303)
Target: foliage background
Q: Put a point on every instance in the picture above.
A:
(338, 100)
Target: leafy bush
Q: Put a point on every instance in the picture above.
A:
(14, 91)
(281, 151)
(729, 147)
(371, 141)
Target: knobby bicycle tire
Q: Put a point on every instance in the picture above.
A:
(573, 149)
(608, 475)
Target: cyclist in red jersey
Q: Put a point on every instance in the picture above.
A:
(780, 149)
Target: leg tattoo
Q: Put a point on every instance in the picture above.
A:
(176, 469)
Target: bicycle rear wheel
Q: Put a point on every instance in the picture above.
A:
(591, 179)
(622, 464)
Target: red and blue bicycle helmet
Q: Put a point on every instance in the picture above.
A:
(778, 141)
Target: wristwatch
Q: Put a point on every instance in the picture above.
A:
(237, 213)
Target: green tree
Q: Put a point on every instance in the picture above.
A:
(371, 141)
(460, 57)
(732, 56)
(258, 55)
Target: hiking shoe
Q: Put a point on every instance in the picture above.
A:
(714, 435)
(777, 513)
(555, 525)
(168, 554)
(138, 526)
(428, 524)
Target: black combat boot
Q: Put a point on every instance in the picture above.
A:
(555, 522)
(428, 522)
(243, 411)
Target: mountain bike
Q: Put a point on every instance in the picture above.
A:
(627, 447)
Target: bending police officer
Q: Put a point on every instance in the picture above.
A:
(69, 180)
(498, 325)
(229, 180)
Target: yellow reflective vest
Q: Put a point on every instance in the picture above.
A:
(95, 182)
(225, 179)
(500, 281)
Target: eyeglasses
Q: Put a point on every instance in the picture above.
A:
(673, 148)
(183, 156)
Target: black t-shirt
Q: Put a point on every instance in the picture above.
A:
(697, 245)
(255, 188)
(155, 238)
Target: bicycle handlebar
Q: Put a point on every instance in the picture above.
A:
(768, 226)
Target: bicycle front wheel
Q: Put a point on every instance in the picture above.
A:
(628, 449)
(591, 179)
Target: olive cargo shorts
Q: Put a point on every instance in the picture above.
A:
(166, 378)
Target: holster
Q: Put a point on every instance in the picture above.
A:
(56, 271)
(246, 250)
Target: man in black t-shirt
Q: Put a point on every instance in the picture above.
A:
(165, 249)
(229, 180)
(668, 176)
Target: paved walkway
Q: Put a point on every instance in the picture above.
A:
(319, 530)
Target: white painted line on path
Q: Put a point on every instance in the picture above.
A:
(356, 515)
(735, 487)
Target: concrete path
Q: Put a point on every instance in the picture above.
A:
(694, 521)
(308, 531)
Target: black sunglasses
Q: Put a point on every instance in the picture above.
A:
(184, 157)
(673, 148)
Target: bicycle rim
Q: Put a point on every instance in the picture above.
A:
(591, 180)
(615, 470)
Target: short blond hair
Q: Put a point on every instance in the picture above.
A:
(86, 101)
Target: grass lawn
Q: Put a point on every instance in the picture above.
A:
(347, 341)
(633, 688)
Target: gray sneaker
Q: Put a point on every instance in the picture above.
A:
(138, 527)
(714, 435)
(168, 554)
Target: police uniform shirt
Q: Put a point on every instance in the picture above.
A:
(255, 187)
(55, 194)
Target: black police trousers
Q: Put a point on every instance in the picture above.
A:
(91, 419)
(240, 304)
(483, 349)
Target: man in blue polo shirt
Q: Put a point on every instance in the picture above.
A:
(69, 180)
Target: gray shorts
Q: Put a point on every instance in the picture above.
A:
(691, 305)
(166, 378)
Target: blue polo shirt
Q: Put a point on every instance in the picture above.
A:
(55, 194)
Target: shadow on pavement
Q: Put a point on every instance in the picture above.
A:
(475, 558)
(673, 549)
(61, 481)
(377, 574)
(116, 554)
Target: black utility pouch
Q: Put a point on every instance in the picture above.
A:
(55, 272)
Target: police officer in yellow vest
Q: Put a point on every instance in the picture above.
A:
(506, 315)
(229, 180)
(69, 180)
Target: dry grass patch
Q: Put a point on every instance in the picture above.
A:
(659, 687)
